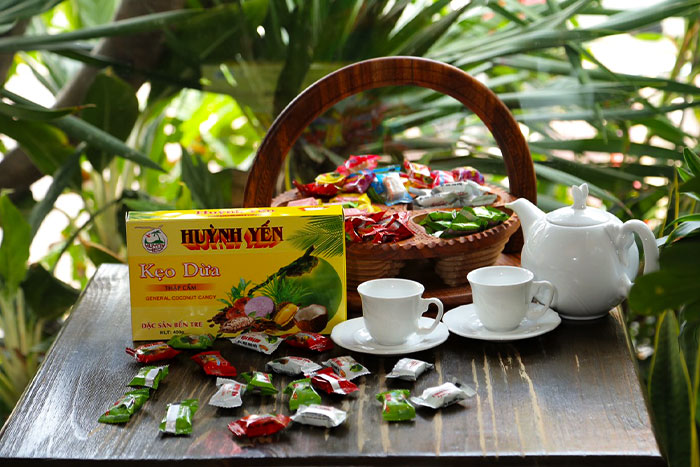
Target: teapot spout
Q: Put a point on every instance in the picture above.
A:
(528, 213)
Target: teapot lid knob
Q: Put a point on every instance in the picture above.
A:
(580, 193)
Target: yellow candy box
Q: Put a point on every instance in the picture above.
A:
(277, 270)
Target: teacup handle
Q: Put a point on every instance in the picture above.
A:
(427, 302)
(539, 311)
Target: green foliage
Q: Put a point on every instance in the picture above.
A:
(114, 109)
(671, 395)
(14, 249)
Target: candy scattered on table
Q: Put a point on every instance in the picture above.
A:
(122, 410)
(202, 342)
(214, 364)
(310, 341)
(347, 367)
(178, 418)
(228, 395)
(326, 380)
(409, 369)
(258, 341)
(149, 376)
(259, 383)
(255, 425)
(319, 415)
(443, 395)
(395, 405)
(154, 352)
(301, 393)
(292, 366)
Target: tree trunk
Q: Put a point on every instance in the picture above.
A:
(142, 51)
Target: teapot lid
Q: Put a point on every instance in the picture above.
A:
(578, 214)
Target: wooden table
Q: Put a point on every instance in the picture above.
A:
(570, 397)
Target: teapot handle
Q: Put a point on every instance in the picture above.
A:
(651, 251)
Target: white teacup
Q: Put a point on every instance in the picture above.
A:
(503, 296)
(392, 309)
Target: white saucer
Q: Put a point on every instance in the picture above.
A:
(464, 322)
(353, 335)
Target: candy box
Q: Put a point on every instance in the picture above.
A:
(223, 272)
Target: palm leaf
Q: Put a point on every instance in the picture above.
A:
(323, 233)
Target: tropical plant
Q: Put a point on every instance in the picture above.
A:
(671, 294)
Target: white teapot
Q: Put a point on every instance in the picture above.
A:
(588, 254)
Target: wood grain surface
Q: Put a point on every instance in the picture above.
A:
(570, 397)
(382, 72)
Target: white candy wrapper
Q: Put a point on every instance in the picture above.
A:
(229, 394)
(319, 415)
(347, 367)
(443, 395)
(409, 369)
(293, 366)
(258, 341)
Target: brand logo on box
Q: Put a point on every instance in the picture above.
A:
(154, 241)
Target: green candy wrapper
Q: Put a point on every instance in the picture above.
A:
(301, 393)
(178, 418)
(192, 342)
(259, 383)
(150, 376)
(396, 407)
(122, 410)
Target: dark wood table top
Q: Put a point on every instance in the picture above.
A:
(570, 397)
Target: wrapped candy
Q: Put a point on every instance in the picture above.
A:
(395, 405)
(154, 352)
(258, 341)
(316, 190)
(228, 395)
(192, 342)
(292, 366)
(301, 393)
(150, 376)
(319, 415)
(409, 369)
(443, 395)
(347, 367)
(330, 178)
(418, 174)
(304, 202)
(462, 174)
(214, 364)
(358, 182)
(122, 410)
(259, 425)
(357, 163)
(441, 177)
(259, 383)
(178, 418)
(310, 341)
(380, 227)
(326, 380)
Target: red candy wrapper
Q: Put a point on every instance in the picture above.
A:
(418, 174)
(154, 352)
(214, 364)
(357, 163)
(378, 227)
(440, 177)
(314, 189)
(462, 174)
(326, 380)
(259, 425)
(310, 341)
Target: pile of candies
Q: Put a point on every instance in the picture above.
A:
(358, 183)
(467, 221)
(332, 376)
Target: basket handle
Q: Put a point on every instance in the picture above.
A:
(377, 73)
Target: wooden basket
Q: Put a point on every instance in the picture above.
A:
(450, 259)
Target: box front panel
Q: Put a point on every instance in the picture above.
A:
(278, 274)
